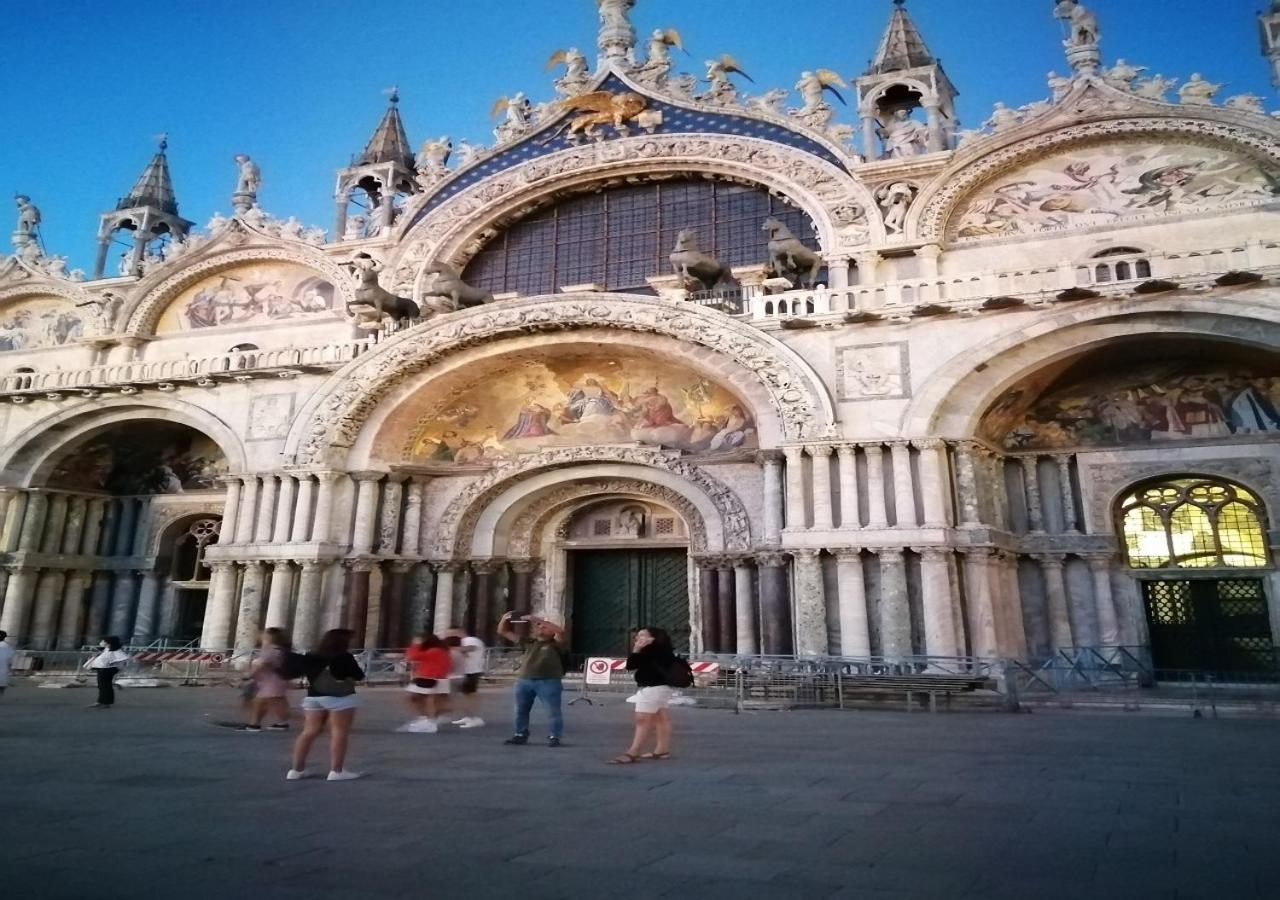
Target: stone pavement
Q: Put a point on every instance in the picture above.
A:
(149, 798)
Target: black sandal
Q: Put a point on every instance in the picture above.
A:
(655, 755)
(625, 759)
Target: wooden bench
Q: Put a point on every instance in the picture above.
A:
(911, 685)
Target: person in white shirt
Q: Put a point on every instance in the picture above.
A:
(468, 654)
(6, 660)
(105, 665)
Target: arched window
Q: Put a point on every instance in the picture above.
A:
(188, 551)
(621, 236)
(1193, 523)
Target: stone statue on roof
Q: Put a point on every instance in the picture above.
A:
(1197, 91)
(28, 220)
(1083, 22)
(903, 136)
(250, 176)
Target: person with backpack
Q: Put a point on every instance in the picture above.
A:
(429, 685)
(271, 682)
(657, 671)
(332, 673)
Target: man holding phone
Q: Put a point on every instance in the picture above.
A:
(541, 673)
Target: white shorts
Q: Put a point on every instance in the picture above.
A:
(329, 704)
(650, 700)
(441, 687)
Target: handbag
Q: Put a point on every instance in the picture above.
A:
(326, 685)
(424, 682)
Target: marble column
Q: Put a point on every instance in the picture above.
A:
(727, 614)
(1018, 645)
(937, 602)
(411, 531)
(219, 609)
(995, 466)
(107, 534)
(142, 527)
(445, 571)
(967, 485)
(18, 595)
(266, 509)
(99, 605)
(248, 510)
(848, 469)
(55, 522)
(1031, 489)
(810, 604)
(1070, 520)
(775, 605)
(1055, 593)
(306, 618)
(124, 596)
(422, 598)
(168, 625)
(46, 607)
(771, 461)
(33, 522)
(364, 530)
(230, 509)
(745, 607)
(358, 595)
(94, 515)
(982, 614)
(144, 624)
(1108, 620)
(389, 524)
(16, 512)
(249, 615)
(795, 488)
(71, 622)
(280, 595)
(855, 633)
(904, 498)
(895, 605)
(877, 515)
(394, 605)
(708, 603)
(935, 490)
(73, 532)
(321, 531)
(482, 589)
(300, 530)
(522, 584)
(820, 457)
(284, 511)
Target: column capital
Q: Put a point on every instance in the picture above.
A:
(707, 562)
(764, 457)
(487, 566)
(1099, 561)
(447, 565)
(793, 454)
(280, 565)
(771, 560)
(524, 566)
(893, 554)
(848, 554)
(1050, 560)
(394, 477)
(368, 475)
(846, 450)
(899, 444)
(1063, 459)
(805, 553)
(930, 251)
(310, 565)
(933, 554)
(403, 566)
(360, 565)
(220, 565)
(875, 449)
(980, 553)
(743, 562)
(1029, 460)
(929, 443)
(822, 451)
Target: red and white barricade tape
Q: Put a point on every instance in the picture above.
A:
(161, 656)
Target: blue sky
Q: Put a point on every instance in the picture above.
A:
(298, 83)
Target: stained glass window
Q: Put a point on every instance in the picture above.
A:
(1190, 523)
(619, 237)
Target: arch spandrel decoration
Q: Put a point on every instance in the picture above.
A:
(836, 202)
(332, 421)
(458, 522)
(931, 216)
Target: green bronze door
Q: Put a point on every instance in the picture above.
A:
(616, 592)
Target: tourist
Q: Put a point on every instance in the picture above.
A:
(429, 656)
(650, 660)
(332, 673)
(6, 660)
(541, 674)
(468, 654)
(105, 666)
(271, 684)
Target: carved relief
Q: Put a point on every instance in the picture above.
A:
(269, 417)
(874, 372)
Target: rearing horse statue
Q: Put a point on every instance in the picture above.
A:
(790, 258)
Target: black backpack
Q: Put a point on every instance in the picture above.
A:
(293, 665)
(679, 673)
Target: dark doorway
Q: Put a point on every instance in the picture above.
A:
(616, 592)
(190, 619)
(1212, 626)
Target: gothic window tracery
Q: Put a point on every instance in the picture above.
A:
(619, 237)
(1193, 523)
(189, 549)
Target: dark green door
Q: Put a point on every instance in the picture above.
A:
(616, 592)
(1210, 626)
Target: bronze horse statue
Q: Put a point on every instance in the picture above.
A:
(448, 283)
(788, 257)
(693, 264)
(370, 293)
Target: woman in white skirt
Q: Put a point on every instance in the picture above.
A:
(650, 661)
(429, 685)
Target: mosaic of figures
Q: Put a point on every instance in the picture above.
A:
(1154, 402)
(145, 458)
(41, 322)
(260, 293)
(582, 401)
(1102, 184)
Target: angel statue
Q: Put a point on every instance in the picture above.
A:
(812, 87)
(1155, 88)
(1197, 91)
(575, 75)
(658, 64)
(518, 112)
(432, 162)
(1060, 85)
(721, 89)
(1123, 73)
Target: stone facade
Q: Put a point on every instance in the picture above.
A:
(849, 464)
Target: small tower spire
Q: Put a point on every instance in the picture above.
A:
(617, 38)
(149, 210)
(905, 76)
(1269, 22)
(382, 170)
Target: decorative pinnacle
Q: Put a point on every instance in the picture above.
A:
(163, 138)
(393, 93)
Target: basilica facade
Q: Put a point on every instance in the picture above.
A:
(781, 375)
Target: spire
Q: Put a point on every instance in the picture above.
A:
(389, 142)
(902, 46)
(154, 186)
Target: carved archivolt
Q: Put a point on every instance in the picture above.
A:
(931, 213)
(154, 293)
(527, 529)
(335, 418)
(836, 202)
(458, 522)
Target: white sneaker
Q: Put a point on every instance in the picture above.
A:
(407, 727)
(345, 775)
(475, 722)
(460, 722)
(423, 726)
(296, 774)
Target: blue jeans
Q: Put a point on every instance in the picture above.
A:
(548, 690)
